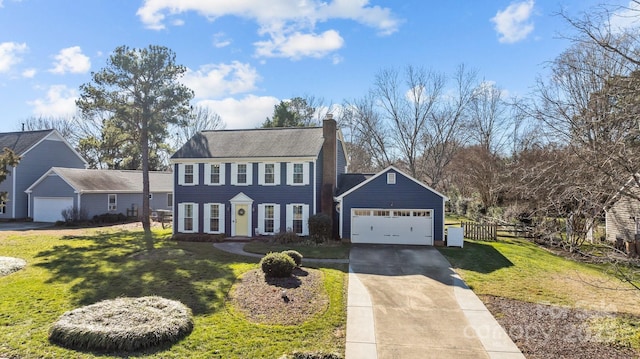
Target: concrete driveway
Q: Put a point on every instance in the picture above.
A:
(417, 307)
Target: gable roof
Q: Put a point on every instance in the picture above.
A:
(371, 178)
(23, 141)
(102, 181)
(254, 143)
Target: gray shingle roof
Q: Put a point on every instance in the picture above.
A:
(20, 142)
(273, 142)
(86, 180)
(347, 181)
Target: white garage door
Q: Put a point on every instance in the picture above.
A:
(49, 209)
(386, 226)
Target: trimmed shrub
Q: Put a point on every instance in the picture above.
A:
(320, 227)
(123, 325)
(9, 265)
(286, 237)
(277, 265)
(295, 255)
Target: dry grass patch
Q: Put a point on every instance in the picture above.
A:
(285, 301)
(123, 324)
(9, 265)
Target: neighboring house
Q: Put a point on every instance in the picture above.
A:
(264, 181)
(95, 192)
(38, 151)
(622, 216)
(389, 207)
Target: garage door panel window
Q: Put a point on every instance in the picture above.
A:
(112, 202)
(380, 213)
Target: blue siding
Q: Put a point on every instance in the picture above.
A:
(53, 186)
(281, 194)
(35, 163)
(405, 194)
(341, 160)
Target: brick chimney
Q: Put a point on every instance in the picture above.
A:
(329, 148)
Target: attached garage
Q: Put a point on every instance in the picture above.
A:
(386, 226)
(389, 207)
(49, 209)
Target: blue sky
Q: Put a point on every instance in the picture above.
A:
(244, 56)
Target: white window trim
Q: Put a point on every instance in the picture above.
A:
(181, 212)
(207, 174)
(207, 217)
(115, 203)
(276, 218)
(305, 217)
(262, 173)
(181, 174)
(234, 174)
(391, 178)
(305, 174)
(170, 200)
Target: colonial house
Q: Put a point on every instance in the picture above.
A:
(245, 183)
(622, 215)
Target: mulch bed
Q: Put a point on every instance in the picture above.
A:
(545, 331)
(284, 301)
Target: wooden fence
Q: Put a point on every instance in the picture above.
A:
(480, 231)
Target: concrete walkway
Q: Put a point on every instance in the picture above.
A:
(236, 248)
(406, 302)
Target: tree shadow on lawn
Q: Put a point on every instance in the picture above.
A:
(477, 257)
(115, 265)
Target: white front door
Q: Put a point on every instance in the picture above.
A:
(392, 226)
(49, 209)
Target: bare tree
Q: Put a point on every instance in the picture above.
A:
(198, 119)
(66, 126)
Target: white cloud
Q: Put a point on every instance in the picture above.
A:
(60, 101)
(10, 54)
(626, 18)
(220, 40)
(513, 23)
(215, 80)
(297, 45)
(284, 22)
(71, 60)
(29, 73)
(248, 112)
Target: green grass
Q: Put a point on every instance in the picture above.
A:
(521, 270)
(66, 272)
(324, 251)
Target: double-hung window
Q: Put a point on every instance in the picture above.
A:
(241, 174)
(214, 174)
(187, 217)
(269, 173)
(112, 202)
(298, 173)
(298, 218)
(214, 218)
(268, 218)
(188, 174)
(169, 199)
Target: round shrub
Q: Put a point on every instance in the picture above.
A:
(277, 265)
(123, 325)
(9, 265)
(295, 255)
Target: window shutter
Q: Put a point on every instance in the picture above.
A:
(261, 173)
(276, 173)
(195, 215)
(222, 213)
(289, 173)
(305, 219)
(249, 174)
(181, 174)
(207, 176)
(305, 173)
(206, 224)
(261, 218)
(276, 218)
(234, 174)
(222, 172)
(180, 217)
(196, 178)
(289, 217)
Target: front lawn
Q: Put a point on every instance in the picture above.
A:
(335, 250)
(70, 269)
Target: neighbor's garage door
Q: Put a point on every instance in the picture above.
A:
(49, 209)
(385, 226)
